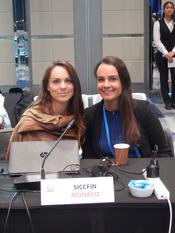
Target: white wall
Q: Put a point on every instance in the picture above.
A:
(52, 29)
(123, 28)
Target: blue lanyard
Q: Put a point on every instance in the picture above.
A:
(109, 140)
(137, 151)
(107, 131)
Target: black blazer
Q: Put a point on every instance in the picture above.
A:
(151, 130)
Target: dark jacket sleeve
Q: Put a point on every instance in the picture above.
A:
(151, 130)
(93, 117)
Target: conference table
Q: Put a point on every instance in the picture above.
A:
(127, 214)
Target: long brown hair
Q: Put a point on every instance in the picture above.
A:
(129, 124)
(75, 106)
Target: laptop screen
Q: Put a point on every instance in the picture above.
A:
(27, 157)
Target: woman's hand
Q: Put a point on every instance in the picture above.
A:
(169, 56)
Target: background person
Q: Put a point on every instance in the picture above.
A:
(1, 121)
(58, 103)
(120, 119)
(164, 39)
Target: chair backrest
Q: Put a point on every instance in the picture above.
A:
(85, 100)
(168, 135)
(89, 100)
(35, 97)
(96, 98)
(139, 96)
(16, 101)
(2, 99)
(4, 141)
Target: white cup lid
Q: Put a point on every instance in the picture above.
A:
(121, 145)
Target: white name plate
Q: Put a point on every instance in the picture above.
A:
(77, 190)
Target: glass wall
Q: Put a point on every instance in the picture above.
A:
(21, 45)
(7, 61)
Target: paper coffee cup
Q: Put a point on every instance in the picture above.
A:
(121, 153)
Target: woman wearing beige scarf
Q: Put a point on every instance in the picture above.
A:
(58, 103)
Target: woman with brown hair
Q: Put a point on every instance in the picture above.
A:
(58, 103)
(120, 119)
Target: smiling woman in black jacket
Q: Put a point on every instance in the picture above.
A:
(120, 119)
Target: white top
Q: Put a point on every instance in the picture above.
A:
(4, 118)
(156, 36)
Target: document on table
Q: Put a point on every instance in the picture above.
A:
(171, 64)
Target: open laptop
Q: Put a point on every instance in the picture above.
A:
(27, 157)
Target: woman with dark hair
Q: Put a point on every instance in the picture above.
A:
(58, 103)
(120, 119)
(164, 39)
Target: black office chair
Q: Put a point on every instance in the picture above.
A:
(168, 135)
(167, 130)
(4, 141)
(16, 101)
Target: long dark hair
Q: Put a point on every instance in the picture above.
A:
(131, 129)
(164, 5)
(75, 106)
